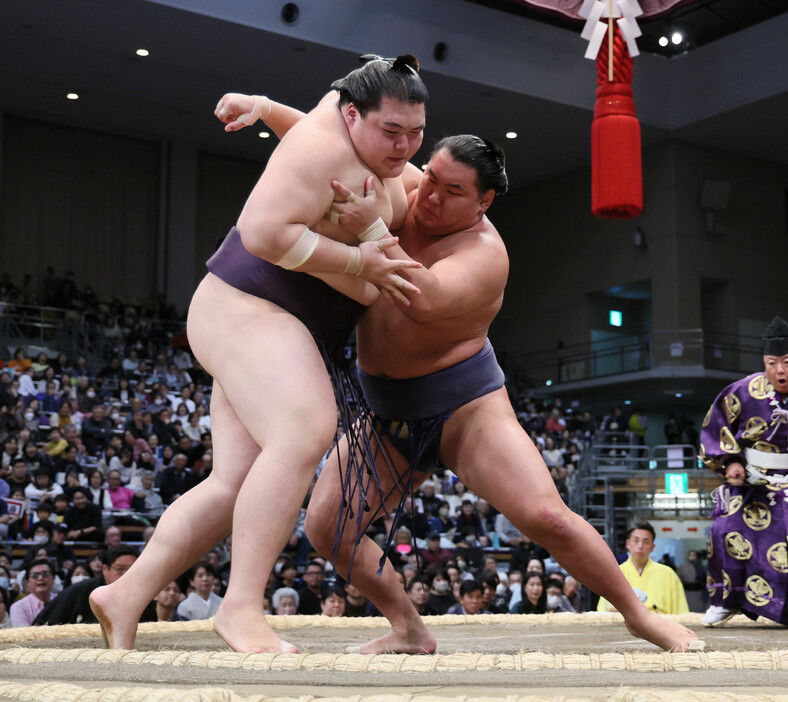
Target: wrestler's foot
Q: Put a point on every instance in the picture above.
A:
(248, 631)
(666, 634)
(118, 628)
(416, 639)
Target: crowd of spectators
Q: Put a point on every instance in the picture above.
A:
(93, 452)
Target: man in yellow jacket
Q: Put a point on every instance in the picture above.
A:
(657, 585)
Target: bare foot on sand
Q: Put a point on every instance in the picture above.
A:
(248, 632)
(666, 634)
(118, 627)
(416, 639)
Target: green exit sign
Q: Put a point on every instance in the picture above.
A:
(676, 483)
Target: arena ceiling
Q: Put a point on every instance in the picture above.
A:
(500, 71)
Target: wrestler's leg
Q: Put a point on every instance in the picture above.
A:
(493, 456)
(408, 635)
(188, 529)
(270, 371)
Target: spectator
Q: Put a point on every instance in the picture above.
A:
(147, 500)
(83, 518)
(637, 425)
(78, 572)
(470, 599)
(167, 601)
(460, 495)
(39, 581)
(42, 489)
(467, 517)
(402, 548)
(508, 534)
(36, 460)
(573, 594)
(435, 556)
(120, 495)
(657, 585)
(99, 495)
(96, 430)
(533, 597)
(5, 605)
(62, 553)
(440, 598)
(552, 456)
(430, 502)
(174, 479)
(19, 477)
(202, 602)
(555, 423)
(71, 606)
(10, 451)
(419, 595)
(524, 552)
(311, 595)
(333, 602)
(356, 605)
(285, 601)
(492, 602)
(556, 601)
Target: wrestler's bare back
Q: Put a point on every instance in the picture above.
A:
(392, 343)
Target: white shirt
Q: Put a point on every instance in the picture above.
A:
(195, 607)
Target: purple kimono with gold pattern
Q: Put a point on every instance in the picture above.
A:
(748, 561)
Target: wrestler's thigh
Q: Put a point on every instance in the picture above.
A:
(234, 449)
(484, 444)
(267, 364)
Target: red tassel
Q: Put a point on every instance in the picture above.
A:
(616, 169)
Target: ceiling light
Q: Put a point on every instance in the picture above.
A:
(264, 135)
(424, 166)
(511, 135)
(143, 52)
(72, 96)
(663, 41)
(676, 38)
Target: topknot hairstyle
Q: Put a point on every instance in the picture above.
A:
(378, 78)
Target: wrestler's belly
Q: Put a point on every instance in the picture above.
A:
(394, 347)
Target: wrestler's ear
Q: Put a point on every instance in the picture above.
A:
(351, 113)
(486, 200)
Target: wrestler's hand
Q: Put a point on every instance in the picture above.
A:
(351, 212)
(382, 272)
(230, 107)
(734, 474)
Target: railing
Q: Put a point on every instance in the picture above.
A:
(629, 354)
(69, 331)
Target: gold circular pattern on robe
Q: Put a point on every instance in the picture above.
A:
(707, 418)
(727, 588)
(766, 447)
(757, 516)
(728, 441)
(759, 592)
(760, 388)
(736, 546)
(734, 505)
(710, 584)
(777, 556)
(732, 406)
(754, 428)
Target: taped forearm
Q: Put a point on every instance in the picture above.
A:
(306, 244)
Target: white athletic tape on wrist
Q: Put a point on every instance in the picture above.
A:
(376, 230)
(333, 216)
(354, 262)
(300, 252)
(260, 104)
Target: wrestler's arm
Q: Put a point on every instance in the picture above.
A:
(478, 263)
(279, 118)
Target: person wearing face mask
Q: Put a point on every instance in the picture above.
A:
(78, 572)
(440, 598)
(469, 548)
(5, 604)
(441, 520)
(556, 600)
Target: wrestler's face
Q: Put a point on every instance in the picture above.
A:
(776, 369)
(388, 137)
(448, 199)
